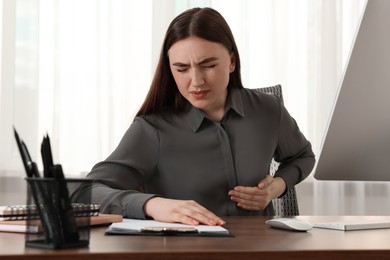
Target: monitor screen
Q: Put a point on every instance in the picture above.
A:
(356, 146)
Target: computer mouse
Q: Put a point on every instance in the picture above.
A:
(289, 224)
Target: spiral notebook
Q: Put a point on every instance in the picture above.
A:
(19, 212)
(35, 225)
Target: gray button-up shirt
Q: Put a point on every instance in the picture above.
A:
(187, 156)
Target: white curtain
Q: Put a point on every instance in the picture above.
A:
(80, 69)
(95, 69)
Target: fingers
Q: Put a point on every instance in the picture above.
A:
(250, 198)
(190, 212)
(187, 212)
(253, 198)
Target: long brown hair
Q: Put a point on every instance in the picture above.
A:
(204, 23)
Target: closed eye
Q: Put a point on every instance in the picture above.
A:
(182, 69)
(209, 66)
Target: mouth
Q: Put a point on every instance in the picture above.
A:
(199, 94)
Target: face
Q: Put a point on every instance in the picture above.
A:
(201, 71)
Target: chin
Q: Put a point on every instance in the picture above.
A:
(199, 104)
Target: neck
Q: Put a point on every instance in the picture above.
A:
(216, 116)
(217, 112)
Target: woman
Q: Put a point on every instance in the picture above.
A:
(201, 145)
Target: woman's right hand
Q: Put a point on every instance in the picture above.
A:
(182, 211)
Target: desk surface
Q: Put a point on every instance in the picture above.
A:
(252, 240)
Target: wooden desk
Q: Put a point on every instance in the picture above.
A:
(252, 240)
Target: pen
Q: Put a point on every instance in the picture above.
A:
(47, 157)
(26, 159)
(66, 214)
(169, 230)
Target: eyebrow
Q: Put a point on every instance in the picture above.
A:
(207, 60)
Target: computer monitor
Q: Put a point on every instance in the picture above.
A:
(356, 146)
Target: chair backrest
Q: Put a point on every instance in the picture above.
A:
(288, 204)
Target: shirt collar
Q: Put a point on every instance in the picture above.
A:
(196, 116)
(235, 102)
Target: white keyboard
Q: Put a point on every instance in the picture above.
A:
(361, 225)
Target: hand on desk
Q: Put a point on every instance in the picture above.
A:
(182, 211)
(258, 197)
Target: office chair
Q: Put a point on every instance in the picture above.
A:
(288, 204)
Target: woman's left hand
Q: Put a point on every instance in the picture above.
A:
(258, 197)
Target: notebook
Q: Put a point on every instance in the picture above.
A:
(34, 226)
(17, 212)
(352, 225)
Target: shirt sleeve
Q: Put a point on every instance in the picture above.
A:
(294, 151)
(118, 179)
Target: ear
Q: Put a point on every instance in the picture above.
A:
(232, 62)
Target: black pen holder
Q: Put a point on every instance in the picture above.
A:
(53, 221)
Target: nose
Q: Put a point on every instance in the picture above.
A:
(197, 78)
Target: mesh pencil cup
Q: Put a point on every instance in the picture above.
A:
(55, 222)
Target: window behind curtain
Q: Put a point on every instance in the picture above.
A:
(79, 69)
